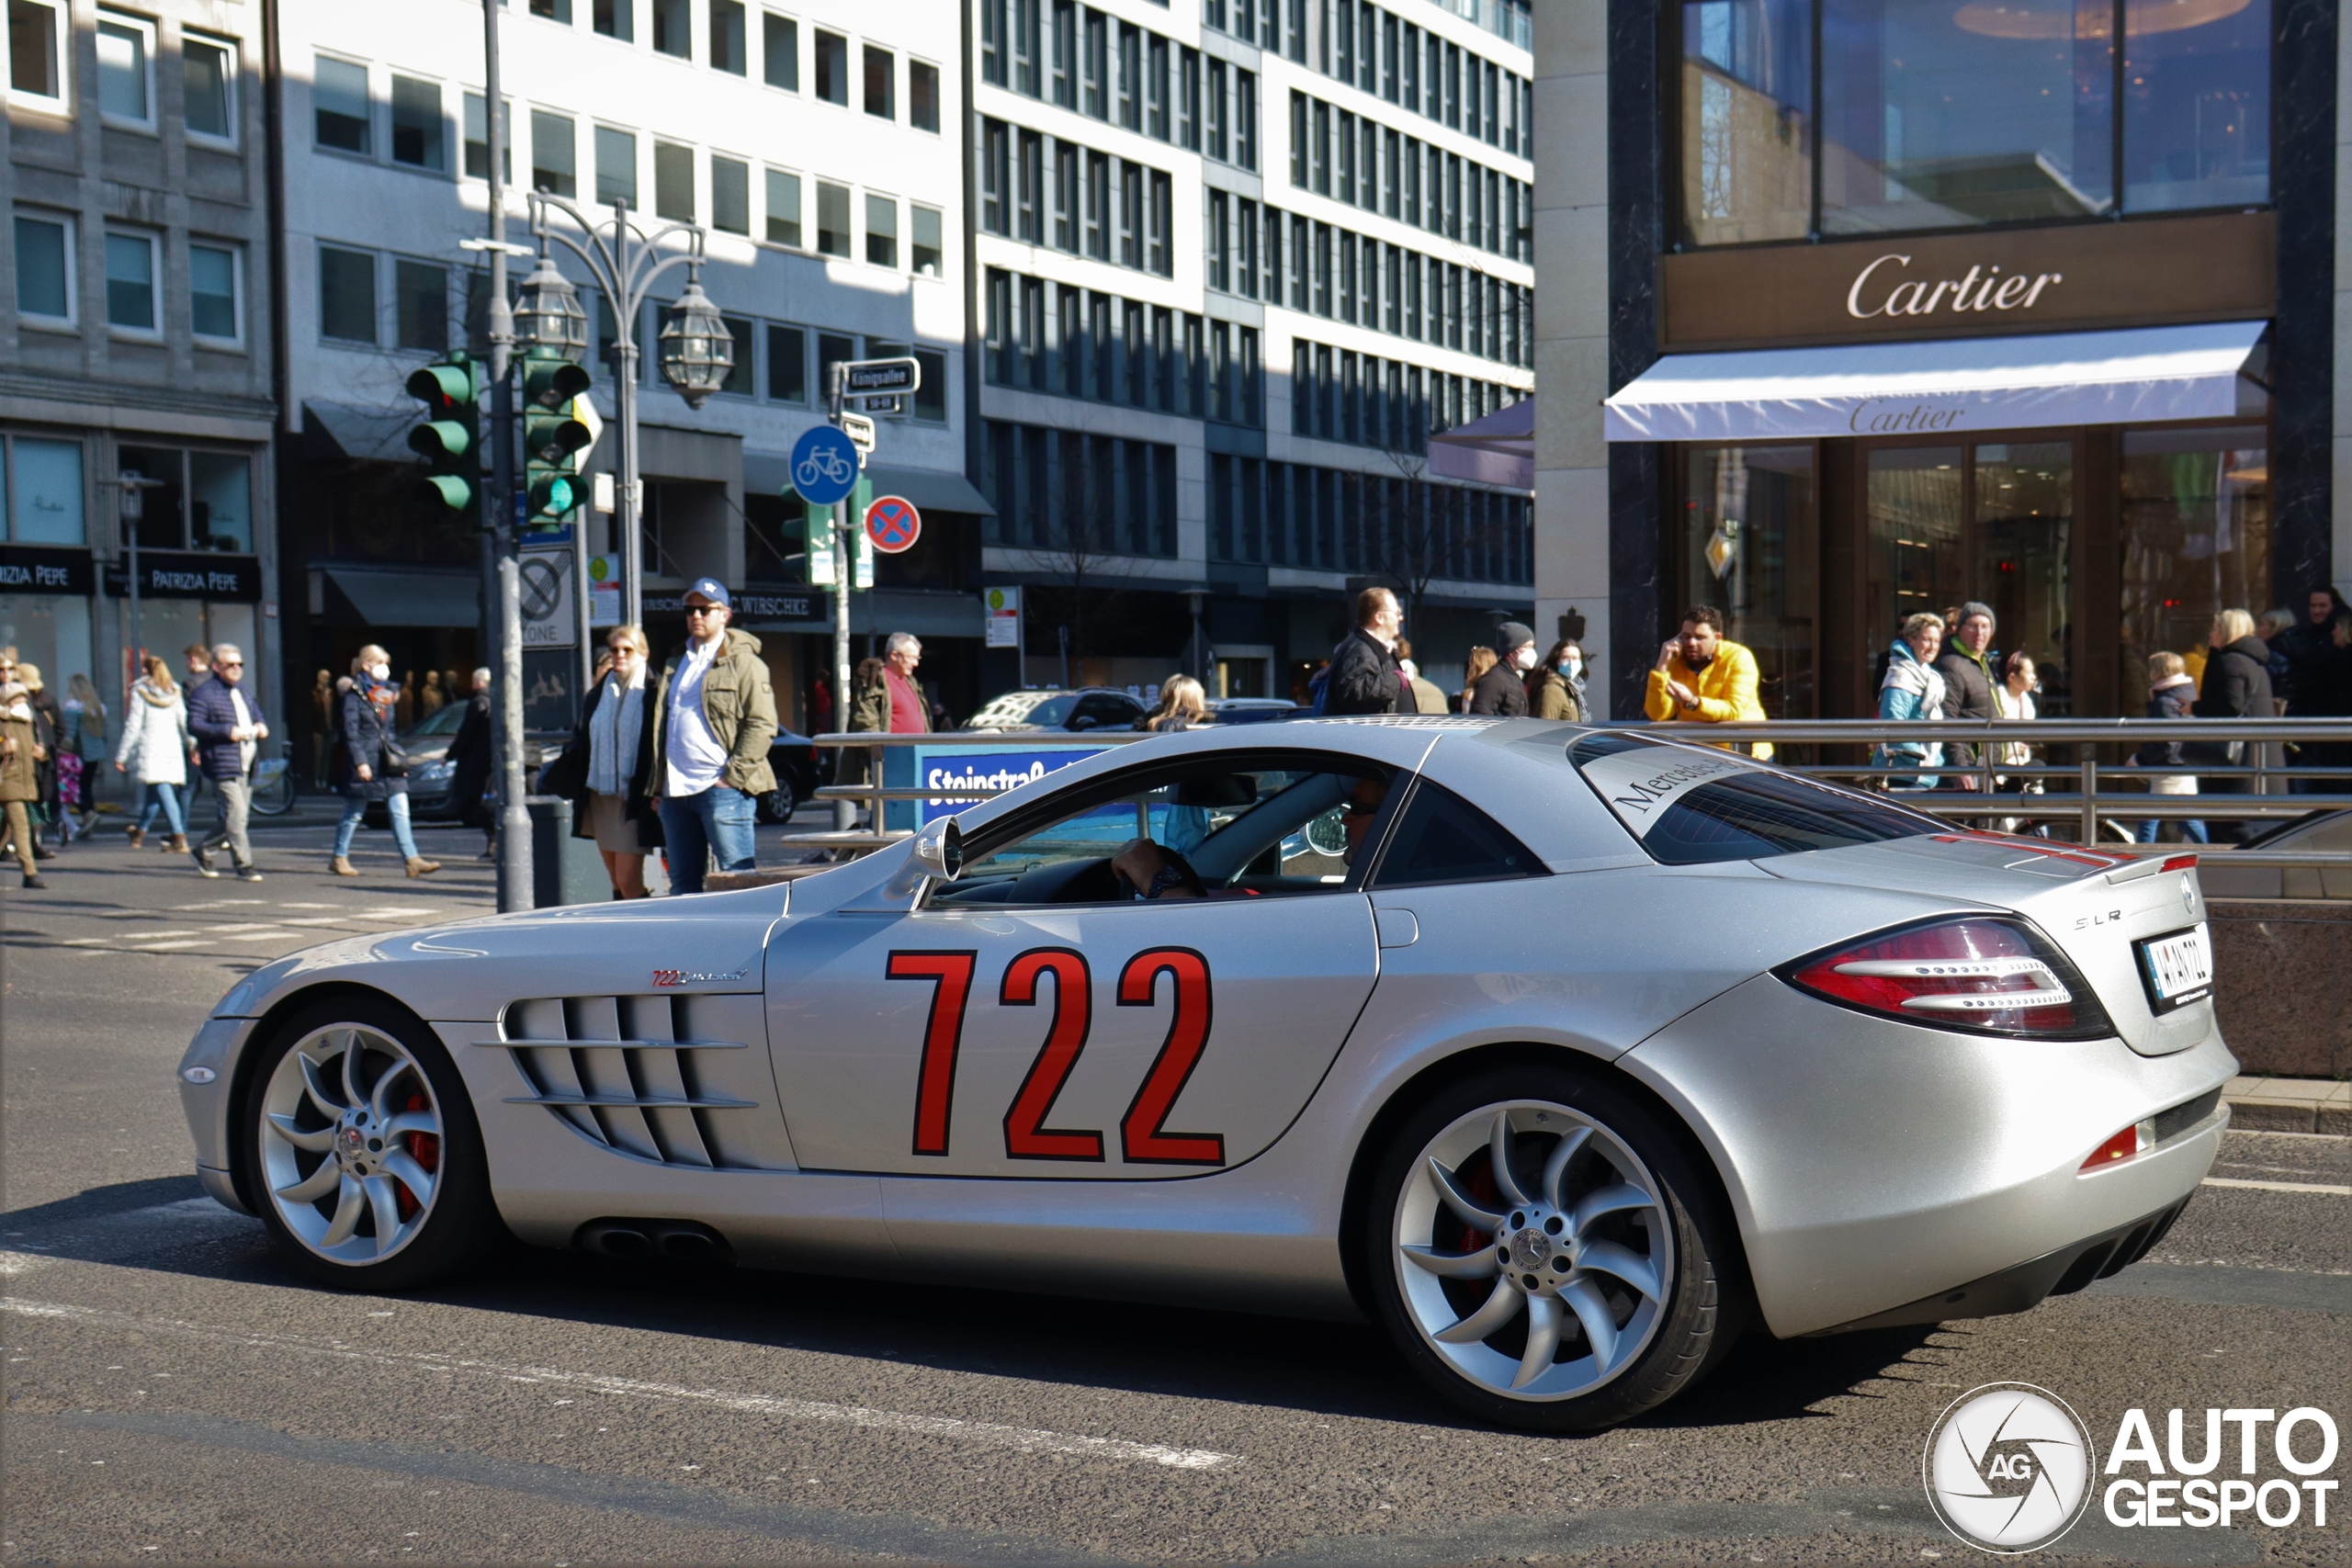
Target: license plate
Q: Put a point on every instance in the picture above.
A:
(2176, 968)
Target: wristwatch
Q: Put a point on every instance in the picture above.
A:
(1169, 875)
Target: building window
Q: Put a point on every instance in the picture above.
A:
(931, 387)
(1066, 201)
(1155, 85)
(727, 51)
(209, 86)
(1128, 93)
(882, 231)
(130, 283)
(615, 166)
(925, 252)
(1218, 143)
(731, 194)
(784, 209)
(126, 71)
(832, 219)
(1065, 62)
(1097, 65)
(44, 268)
(742, 376)
(1163, 223)
(346, 295)
(787, 365)
(339, 111)
(1097, 206)
(420, 305)
(553, 10)
(615, 19)
(674, 181)
(996, 176)
(1188, 101)
(215, 307)
(45, 492)
(1029, 196)
(922, 95)
(881, 82)
(780, 51)
(554, 154)
(994, 22)
(1131, 214)
(418, 140)
(1220, 240)
(673, 28)
(1027, 47)
(477, 148)
(833, 68)
(36, 33)
(1245, 120)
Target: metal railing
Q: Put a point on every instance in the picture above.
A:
(2104, 792)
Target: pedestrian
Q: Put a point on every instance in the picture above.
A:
(2318, 682)
(713, 719)
(373, 765)
(469, 757)
(196, 659)
(1362, 676)
(229, 731)
(612, 755)
(2015, 698)
(1913, 688)
(1183, 704)
(156, 744)
(84, 735)
(1970, 667)
(1704, 677)
(1481, 659)
(49, 728)
(869, 714)
(896, 700)
(1427, 696)
(2236, 684)
(21, 751)
(1501, 692)
(1557, 690)
(2171, 694)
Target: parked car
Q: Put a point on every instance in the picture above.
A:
(431, 773)
(793, 759)
(1094, 708)
(1254, 710)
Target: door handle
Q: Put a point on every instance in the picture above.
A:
(1397, 927)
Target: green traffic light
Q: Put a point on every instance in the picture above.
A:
(552, 495)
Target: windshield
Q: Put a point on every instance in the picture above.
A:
(1690, 805)
(1047, 708)
(443, 721)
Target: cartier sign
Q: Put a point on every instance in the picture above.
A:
(2064, 277)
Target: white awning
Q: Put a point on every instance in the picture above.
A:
(2135, 377)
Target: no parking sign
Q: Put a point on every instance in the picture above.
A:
(893, 524)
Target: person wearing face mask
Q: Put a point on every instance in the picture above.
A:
(1558, 689)
(1704, 677)
(375, 768)
(1501, 692)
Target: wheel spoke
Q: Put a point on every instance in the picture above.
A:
(1461, 1202)
(1614, 1198)
(1584, 1299)
(314, 1141)
(386, 1206)
(315, 1186)
(413, 1176)
(380, 1098)
(348, 1204)
(1609, 1258)
(321, 1096)
(1543, 1317)
(1499, 1309)
(352, 1052)
(1556, 1168)
(402, 1122)
(1477, 1265)
(1498, 1155)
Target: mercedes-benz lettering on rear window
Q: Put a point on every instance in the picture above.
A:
(1689, 805)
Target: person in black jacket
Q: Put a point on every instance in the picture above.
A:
(1967, 664)
(373, 765)
(470, 756)
(2236, 686)
(1503, 692)
(2318, 684)
(1363, 677)
(609, 768)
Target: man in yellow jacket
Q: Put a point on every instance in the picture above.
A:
(1704, 678)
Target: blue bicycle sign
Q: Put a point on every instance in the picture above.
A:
(824, 466)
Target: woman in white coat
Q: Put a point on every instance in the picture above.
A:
(156, 744)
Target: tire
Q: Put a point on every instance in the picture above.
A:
(277, 798)
(778, 804)
(298, 1126)
(1631, 1230)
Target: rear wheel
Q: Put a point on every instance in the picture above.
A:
(779, 804)
(366, 1157)
(1546, 1254)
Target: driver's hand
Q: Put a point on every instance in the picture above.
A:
(1139, 862)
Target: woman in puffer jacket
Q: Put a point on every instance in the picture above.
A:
(156, 744)
(1913, 689)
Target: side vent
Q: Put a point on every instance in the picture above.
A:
(672, 1080)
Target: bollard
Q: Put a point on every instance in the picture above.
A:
(564, 870)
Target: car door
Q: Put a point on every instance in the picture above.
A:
(1029, 1020)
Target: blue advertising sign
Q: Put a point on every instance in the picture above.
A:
(961, 768)
(824, 466)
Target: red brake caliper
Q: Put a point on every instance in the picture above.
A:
(425, 1147)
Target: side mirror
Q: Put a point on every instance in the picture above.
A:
(939, 850)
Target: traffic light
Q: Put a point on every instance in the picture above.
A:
(450, 438)
(553, 437)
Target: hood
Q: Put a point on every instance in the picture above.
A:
(741, 639)
(2171, 683)
(2252, 648)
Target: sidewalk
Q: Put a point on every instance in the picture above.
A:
(2290, 1105)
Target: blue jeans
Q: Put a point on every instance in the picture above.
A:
(715, 825)
(2193, 831)
(396, 804)
(163, 798)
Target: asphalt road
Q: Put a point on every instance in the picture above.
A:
(172, 1395)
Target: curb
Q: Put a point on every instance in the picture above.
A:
(2290, 1105)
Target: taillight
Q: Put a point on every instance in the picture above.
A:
(1976, 973)
(2137, 1139)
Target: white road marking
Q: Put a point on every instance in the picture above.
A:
(169, 946)
(240, 931)
(991, 1434)
(2330, 1189)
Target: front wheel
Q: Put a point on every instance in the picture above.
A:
(778, 804)
(365, 1159)
(274, 793)
(1546, 1254)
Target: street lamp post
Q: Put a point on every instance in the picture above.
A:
(696, 350)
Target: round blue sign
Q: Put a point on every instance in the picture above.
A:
(824, 466)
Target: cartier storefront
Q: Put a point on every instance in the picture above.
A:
(1959, 301)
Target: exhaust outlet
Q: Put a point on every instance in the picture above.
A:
(646, 1241)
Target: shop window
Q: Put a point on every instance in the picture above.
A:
(163, 506)
(45, 493)
(2194, 541)
(221, 496)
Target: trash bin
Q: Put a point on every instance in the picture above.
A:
(564, 870)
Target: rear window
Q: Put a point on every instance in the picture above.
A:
(1690, 805)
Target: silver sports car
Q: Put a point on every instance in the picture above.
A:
(1566, 1054)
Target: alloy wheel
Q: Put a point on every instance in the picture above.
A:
(351, 1141)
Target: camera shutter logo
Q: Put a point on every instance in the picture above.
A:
(2008, 1468)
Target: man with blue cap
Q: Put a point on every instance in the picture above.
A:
(714, 716)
